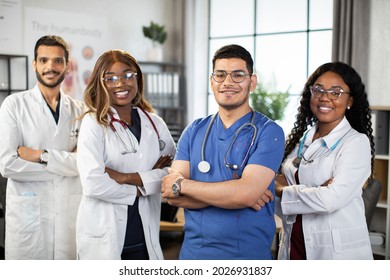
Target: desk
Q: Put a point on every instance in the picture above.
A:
(174, 226)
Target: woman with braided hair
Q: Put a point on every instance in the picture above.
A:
(328, 158)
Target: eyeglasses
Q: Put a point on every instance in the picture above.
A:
(332, 93)
(237, 76)
(113, 81)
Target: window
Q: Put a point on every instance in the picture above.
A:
(287, 39)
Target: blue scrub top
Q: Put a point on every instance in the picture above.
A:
(216, 233)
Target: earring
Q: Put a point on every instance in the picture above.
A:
(349, 107)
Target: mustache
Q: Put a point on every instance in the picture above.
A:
(51, 72)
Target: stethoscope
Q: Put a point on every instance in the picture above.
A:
(297, 161)
(204, 166)
(131, 137)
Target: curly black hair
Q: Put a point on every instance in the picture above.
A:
(359, 115)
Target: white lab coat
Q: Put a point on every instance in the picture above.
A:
(41, 200)
(102, 217)
(333, 219)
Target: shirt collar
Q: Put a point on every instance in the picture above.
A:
(333, 137)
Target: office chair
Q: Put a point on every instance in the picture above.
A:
(370, 197)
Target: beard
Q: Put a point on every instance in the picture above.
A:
(55, 83)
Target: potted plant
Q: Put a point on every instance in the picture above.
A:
(271, 104)
(158, 35)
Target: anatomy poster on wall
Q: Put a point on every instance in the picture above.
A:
(86, 36)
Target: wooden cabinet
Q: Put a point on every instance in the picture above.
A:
(13, 74)
(381, 220)
(165, 89)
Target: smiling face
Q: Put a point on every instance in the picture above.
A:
(50, 66)
(329, 113)
(229, 94)
(124, 91)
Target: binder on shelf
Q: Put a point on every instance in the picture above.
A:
(380, 126)
(377, 238)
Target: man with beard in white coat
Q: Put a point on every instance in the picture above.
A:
(38, 156)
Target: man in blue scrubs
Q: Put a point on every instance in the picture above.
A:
(223, 173)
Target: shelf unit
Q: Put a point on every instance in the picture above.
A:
(13, 78)
(165, 89)
(13, 74)
(381, 219)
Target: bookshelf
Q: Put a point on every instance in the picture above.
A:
(165, 89)
(13, 74)
(13, 78)
(381, 219)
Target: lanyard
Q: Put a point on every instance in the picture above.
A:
(296, 162)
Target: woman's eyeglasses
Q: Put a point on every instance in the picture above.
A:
(331, 93)
(114, 80)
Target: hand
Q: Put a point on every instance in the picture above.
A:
(168, 181)
(330, 181)
(29, 154)
(266, 197)
(163, 161)
(280, 183)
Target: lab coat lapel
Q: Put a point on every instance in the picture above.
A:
(65, 111)
(44, 109)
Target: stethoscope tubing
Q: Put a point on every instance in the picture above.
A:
(204, 166)
(133, 150)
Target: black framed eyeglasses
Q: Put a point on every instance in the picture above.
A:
(332, 93)
(114, 80)
(237, 76)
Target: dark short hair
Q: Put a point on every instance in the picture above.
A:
(52, 40)
(234, 51)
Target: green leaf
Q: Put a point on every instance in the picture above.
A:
(155, 32)
(271, 104)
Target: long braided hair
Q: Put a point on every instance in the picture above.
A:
(359, 115)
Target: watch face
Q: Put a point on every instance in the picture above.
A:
(175, 189)
(45, 157)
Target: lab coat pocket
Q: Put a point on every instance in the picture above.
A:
(336, 240)
(97, 248)
(23, 214)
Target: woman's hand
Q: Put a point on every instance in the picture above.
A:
(280, 183)
(330, 181)
(163, 161)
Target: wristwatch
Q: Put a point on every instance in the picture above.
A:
(176, 187)
(44, 157)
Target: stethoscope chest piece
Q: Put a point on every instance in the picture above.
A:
(296, 162)
(161, 144)
(204, 166)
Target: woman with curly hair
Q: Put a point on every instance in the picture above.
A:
(328, 158)
(123, 150)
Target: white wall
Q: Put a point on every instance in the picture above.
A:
(378, 84)
(119, 23)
